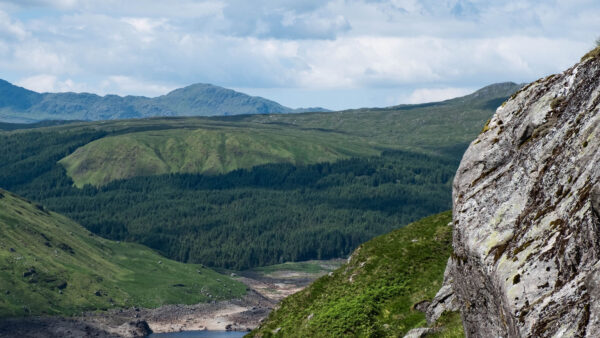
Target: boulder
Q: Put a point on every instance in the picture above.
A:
(419, 332)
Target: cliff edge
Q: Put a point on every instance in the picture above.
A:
(526, 213)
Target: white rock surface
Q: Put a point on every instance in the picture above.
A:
(418, 333)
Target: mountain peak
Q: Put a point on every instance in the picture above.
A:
(197, 87)
(16, 98)
(498, 89)
(206, 99)
(200, 99)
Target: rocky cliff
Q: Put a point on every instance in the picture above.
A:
(526, 213)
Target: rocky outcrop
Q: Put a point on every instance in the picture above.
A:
(526, 213)
(445, 300)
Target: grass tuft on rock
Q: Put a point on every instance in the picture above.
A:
(593, 54)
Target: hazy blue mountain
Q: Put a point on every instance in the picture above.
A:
(490, 96)
(21, 105)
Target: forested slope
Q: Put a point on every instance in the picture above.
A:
(209, 150)
(265, 215)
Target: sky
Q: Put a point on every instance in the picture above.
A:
(336, 54)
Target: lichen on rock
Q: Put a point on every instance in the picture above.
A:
(526, 213)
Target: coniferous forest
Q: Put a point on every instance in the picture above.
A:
(246, 218)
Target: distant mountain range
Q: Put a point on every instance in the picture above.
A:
(20, 105)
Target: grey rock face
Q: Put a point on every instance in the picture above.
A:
(526, 213)
(445, 300)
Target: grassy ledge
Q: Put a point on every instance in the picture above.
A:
(374, 294)
(593, 54)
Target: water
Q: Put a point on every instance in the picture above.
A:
(199, 334)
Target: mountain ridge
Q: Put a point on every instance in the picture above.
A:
(18, 104)
(499, 89)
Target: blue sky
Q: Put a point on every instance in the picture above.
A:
(336, 54)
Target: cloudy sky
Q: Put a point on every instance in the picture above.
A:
(336, 54)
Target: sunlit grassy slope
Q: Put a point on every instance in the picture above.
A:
(208, 149)
(219, 145)
(373, 295)
(51, 265)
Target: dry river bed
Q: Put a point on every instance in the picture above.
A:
(243, 314)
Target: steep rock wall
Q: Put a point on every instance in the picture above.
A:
(526, 213)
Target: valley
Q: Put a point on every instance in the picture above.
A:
(167, 169)
(289, 187)
(51, 266)
(239, 194)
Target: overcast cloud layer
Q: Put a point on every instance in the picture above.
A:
(336, 54)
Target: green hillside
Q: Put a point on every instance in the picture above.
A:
(209, 149)
(51, 265)
(220, 145)
(436, 126)
(373, 295)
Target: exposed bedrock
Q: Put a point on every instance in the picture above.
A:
(526, 214)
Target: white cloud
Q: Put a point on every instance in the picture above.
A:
(125, 84)
(11, 29)
(386, 61)
(424, 95)
(334, 46)
(33, 56)
(45, 83)
(145, 25)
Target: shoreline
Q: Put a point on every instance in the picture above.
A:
(243, 314)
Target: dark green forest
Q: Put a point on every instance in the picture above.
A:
(246, 218)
